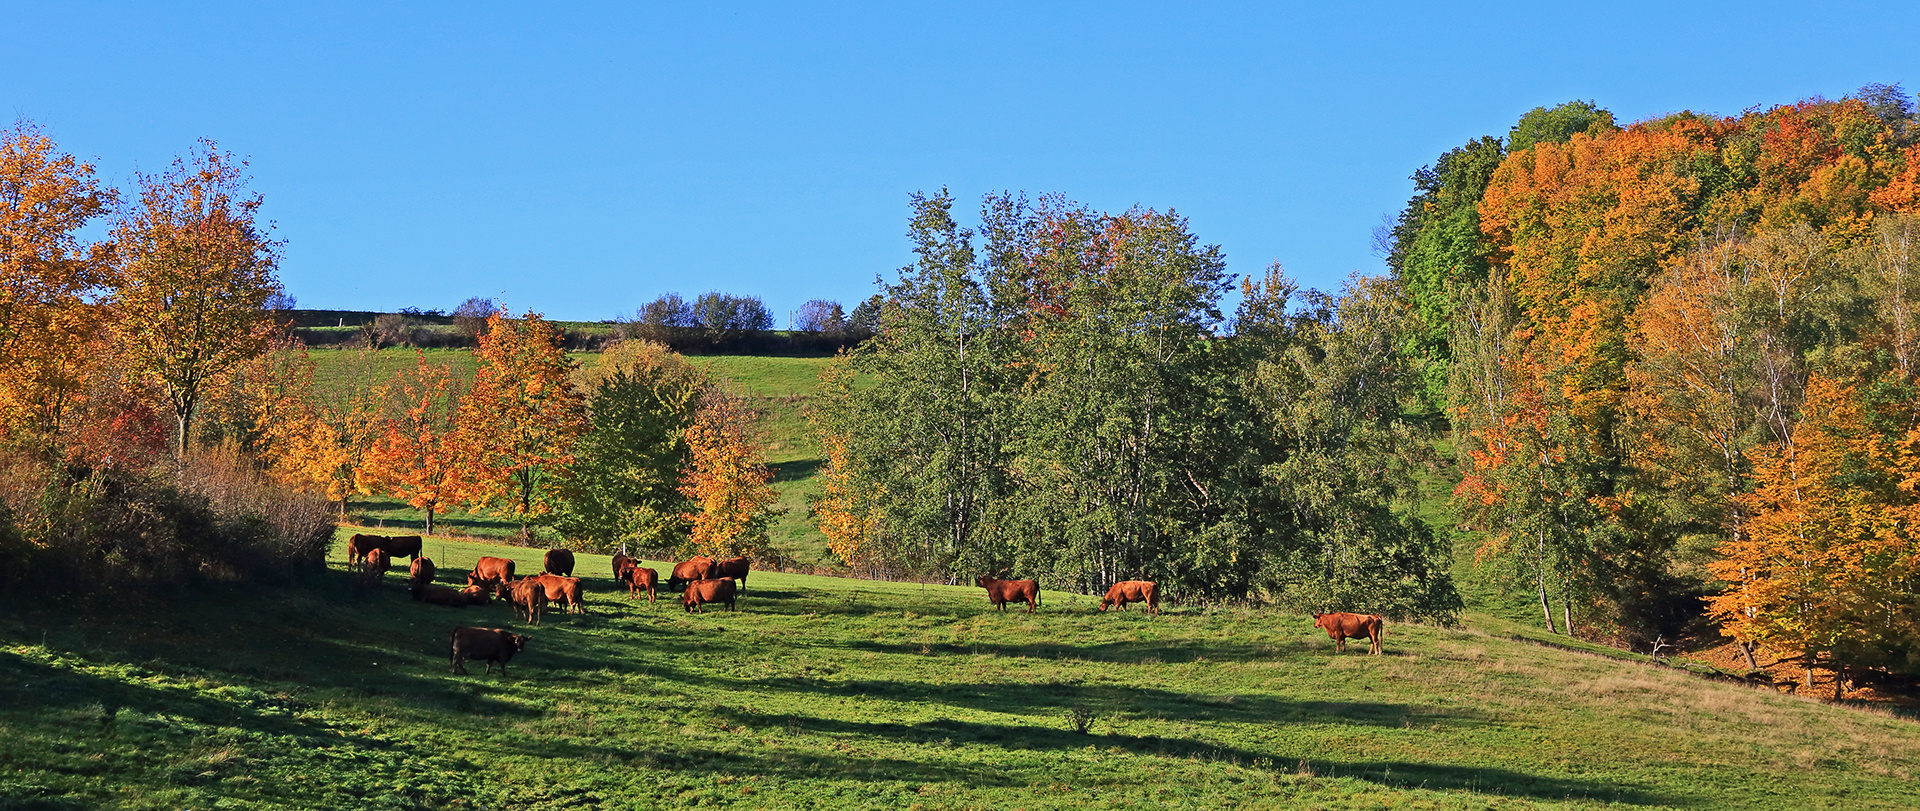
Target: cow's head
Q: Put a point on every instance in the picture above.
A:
(982, 581)
(518, 641)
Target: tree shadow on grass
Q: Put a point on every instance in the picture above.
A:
(1127, 652)
(1394, 774)
(796, 469)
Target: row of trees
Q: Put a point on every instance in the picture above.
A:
(636, 447)
(1678, 361)
(129, 356)
(1053, 395)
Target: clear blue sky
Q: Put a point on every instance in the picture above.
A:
(580, 159)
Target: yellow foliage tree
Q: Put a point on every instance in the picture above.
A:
(727, 478)
(197, 275)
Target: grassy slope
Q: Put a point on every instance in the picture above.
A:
(827, 693)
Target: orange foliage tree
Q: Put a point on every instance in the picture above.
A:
(416, 457)
(48, 279)
(519, 422)
(1827, 566)
(728, 479)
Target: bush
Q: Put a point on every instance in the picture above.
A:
(72, 528)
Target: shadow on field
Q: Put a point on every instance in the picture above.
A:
(948, 732)
(1138, 652)
(1053, 698)
(796, 469)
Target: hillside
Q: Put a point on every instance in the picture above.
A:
(829, 693)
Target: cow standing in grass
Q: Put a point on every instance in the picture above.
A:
(1000, 592)
(490, 645)
(733, 568)
(490, 570)
(1132, 591)
(559, 561)
(701, 592)
(640, 578)
(698, 567)
(528, 597)
(1341, 626)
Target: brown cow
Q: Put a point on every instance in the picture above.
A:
(490, 570)
(638, 578)
(1133, 591)
(560, 589)
(527, 596)
(560, 562)
(698, 567)
(476, 595)
(701, 592)
(735, 568)
(374, 567)
(620, 565)
(488, 645)
(422, 571)
(1001, 591)
(357, 548)
(1341, 626)
(433, 594)
(401, 546)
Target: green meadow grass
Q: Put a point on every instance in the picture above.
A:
(830, 693)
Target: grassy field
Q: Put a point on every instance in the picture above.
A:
(829, 693)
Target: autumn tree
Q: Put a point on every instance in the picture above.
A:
(727, 479)
(417, 456)
(1827, 568)
(518, 422)
(197, 273)
(622, 483)
(49, 278)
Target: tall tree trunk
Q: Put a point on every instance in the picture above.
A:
(1807, 662)
(429, 520)
(1839, 678)
(1546, 608)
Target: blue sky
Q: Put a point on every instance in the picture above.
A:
(583, 160)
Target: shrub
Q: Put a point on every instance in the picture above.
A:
(75, 528)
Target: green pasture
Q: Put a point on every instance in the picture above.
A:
(829, 693)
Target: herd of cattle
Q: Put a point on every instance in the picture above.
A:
(700, 580)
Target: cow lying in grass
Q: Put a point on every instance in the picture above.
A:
(421, 572)
(490, 645)
(1341, 626)
(1132, 591)
(1000, 592)
(433, 594)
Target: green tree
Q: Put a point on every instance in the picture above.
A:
(929, 442)
(622, 483)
